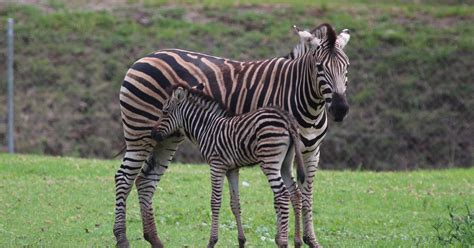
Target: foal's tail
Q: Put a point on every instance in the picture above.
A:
(299, 158)
(295, 137)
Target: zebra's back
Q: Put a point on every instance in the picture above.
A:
(147, 84)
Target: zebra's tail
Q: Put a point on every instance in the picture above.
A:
(122, 149)
(299, 160)
(295, 136)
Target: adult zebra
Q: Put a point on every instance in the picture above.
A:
(303, 83)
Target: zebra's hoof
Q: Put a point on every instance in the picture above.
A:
(123, 244)
(298, 242)
(280, 243)
(312, 243)
(212, 242)
(153, 239)
(242, 242)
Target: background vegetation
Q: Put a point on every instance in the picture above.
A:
(411, 88)
(65, 201)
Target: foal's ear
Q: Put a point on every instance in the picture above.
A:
(178, 94)
(199, 86)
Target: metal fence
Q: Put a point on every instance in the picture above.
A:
(10, 104)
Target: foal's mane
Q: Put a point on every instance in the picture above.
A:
(199, 97)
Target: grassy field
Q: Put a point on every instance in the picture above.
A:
(58, 202)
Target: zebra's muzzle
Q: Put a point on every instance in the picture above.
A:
(339, 107)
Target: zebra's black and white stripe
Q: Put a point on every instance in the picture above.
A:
(266, 136)
(304, 84)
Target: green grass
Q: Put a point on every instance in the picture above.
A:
(58, 202)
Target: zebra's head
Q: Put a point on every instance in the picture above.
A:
(171, 120)
(331, 64)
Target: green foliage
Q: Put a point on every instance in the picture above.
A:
(458, 230)
(409, 87)
(52, 201)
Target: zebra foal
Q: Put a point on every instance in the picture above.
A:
(266, 136)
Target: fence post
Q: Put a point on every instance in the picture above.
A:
(10, 131)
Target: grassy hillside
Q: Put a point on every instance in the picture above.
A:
(52, 201)
(410, 85)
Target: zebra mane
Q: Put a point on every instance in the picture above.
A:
(326, 33)
(299, 50)
(198, 97)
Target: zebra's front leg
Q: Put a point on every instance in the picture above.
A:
(233, 178)
(146, 182)
(295, 194)
(281, 201)
(131, 165)
(311, 166)
(217, 178)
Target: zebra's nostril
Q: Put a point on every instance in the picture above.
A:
(339, 107)
(339, 112)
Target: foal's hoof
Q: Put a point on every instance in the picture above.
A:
(311, 243)
(242, 242)
(123, 244)
(153, 239)
(212, 242)
(298, 242)
(280, 244)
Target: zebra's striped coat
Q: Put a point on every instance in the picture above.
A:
(300, 83)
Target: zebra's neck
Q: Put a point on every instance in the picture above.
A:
(302, 98)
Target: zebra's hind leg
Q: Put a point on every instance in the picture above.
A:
(131, 165)
(295, 194)
(217, 178)
(311, 166)
(146, 182)
(281, 200)
(233, 178)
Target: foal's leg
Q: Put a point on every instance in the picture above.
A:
(233, 178)
(281, 200)
(131, 165)
(217, 181)
(295, 194)
(146, 182)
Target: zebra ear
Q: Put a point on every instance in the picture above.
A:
(343, 38)
(315, 42)
(296, 29)
(178, 94)
(307, 37)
